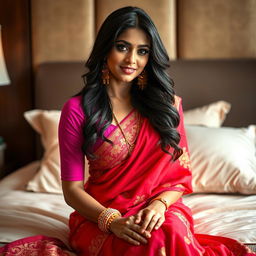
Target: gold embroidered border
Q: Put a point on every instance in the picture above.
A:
(50, 248)
(111, 155)
(189, 238)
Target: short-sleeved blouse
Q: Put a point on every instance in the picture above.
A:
(72, 158)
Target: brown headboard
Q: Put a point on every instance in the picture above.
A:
(198, 82)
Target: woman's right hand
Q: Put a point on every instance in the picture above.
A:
(126, 229)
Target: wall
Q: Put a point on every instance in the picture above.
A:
(17, 97)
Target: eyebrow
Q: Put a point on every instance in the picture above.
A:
(125, 42)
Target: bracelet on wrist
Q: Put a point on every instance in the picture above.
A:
(161, 200)
(106, 217)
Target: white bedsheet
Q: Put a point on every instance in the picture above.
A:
(232, 216)
(25, 214)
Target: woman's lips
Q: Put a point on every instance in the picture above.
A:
(128, 70)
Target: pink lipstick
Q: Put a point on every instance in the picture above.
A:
(127, 70)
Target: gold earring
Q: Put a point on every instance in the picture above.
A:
(142, 80)
(105, 75)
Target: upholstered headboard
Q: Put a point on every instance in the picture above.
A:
(198, 82)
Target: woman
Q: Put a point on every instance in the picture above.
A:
(128, 122)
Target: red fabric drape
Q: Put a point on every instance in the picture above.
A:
(129, 186)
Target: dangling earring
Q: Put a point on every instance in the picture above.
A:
(142, 80)
(105, 74)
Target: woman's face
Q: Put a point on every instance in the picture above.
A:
(129, 55)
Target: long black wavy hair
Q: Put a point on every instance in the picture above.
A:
(155, 102)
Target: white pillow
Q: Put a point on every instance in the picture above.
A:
(222, 159)
(212, 115)
(47, 179)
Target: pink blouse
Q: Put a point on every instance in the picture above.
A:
(72, 158)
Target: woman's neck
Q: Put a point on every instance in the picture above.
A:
(119, 91)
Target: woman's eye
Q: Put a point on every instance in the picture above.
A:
(143, 51)
(121, 47)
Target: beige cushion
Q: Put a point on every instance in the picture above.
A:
(47, 179)
(223, 159)
(212, 115)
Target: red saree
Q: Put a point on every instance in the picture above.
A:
(35, 246)
(128, 183)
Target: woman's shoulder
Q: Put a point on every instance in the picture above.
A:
(74, 102)
(73, 107)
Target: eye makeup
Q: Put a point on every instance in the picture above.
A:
(122, 46)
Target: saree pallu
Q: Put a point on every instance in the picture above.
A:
(35, 246)
(129, 184)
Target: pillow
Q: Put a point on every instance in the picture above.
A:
(222, 159)
(47, 179)
(212, 115)
(252, 132)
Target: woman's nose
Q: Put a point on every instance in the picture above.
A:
(131, 57)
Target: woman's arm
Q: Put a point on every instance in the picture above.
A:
(73, 160)
(170, 197)
(87, 206)
(82, 202)
(153, 216)
(72, 174)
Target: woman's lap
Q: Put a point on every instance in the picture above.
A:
(173, 238)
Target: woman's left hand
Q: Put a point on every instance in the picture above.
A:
(151, 217)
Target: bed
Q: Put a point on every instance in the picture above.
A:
(219, 103)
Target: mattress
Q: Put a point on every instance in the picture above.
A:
(25, 213)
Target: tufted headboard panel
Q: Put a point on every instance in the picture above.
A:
(65, 30)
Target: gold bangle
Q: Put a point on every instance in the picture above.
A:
(106, 217)
(161, 200)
